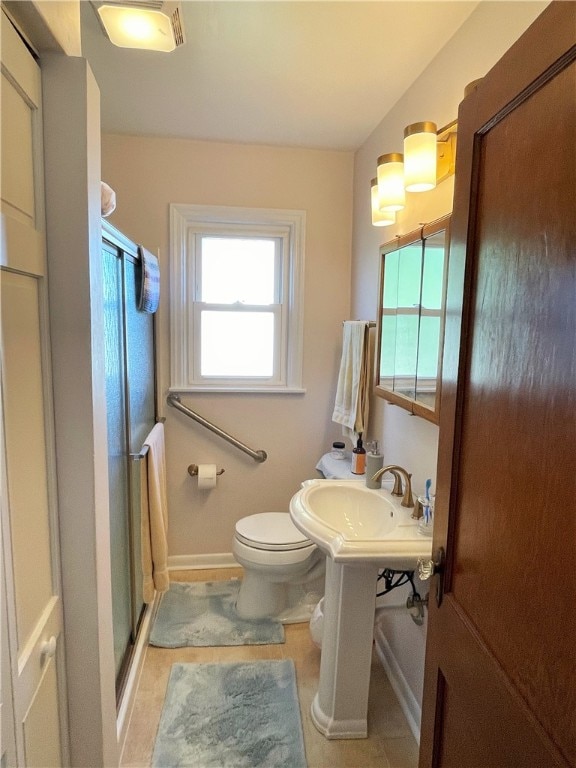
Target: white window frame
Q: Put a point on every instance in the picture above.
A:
(189, 222)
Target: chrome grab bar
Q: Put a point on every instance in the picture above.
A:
(174, 401)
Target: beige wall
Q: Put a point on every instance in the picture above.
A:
(407, 440)
(150, 173)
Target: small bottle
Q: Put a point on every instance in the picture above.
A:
(337, 451)
(359, 458)
(374, 462)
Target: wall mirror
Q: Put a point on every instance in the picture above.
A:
(411, 310)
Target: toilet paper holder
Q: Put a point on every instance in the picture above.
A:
(193, 470)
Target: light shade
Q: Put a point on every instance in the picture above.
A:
(391, 182)
(379, 218)
(130, 27)
(420, 157)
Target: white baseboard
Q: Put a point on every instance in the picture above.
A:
(407, 700)
(193, 562)
(136, 664)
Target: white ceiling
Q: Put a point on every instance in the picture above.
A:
(304, 73)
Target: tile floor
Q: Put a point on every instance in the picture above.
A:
(390, 743)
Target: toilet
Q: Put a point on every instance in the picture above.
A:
(283, 570)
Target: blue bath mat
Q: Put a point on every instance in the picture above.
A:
(241, 715)
(203, 614)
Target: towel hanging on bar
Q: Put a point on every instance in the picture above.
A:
(353, 388)
(150, 284)
(155, 518)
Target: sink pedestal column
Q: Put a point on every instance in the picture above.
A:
(340, 708)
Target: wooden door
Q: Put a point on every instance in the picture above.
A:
(500, 677)
(32, 693)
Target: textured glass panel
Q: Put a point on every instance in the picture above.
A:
(117, 460)
(140, 358)
(237, 344)
(236, 269)
(140, 343)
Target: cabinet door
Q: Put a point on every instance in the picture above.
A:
(33, 652)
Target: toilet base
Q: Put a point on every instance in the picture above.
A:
(258, 599)
(288, 603)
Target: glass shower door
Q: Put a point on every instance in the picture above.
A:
(141, 410)
(130, 396)
(117, 456)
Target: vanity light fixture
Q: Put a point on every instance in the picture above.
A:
(390, 174)
(428, 159)
(379, 218)
(420, 157)
(151, 26)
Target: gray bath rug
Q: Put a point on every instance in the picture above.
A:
(241, 715)
(203, 613)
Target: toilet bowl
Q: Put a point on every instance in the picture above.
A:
(283, 570)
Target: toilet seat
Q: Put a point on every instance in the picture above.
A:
(271, 531)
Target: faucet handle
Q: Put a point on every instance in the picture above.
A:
(397, 490)
(407, 500)
(418, 510)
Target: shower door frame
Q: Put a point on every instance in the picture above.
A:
(127, 250)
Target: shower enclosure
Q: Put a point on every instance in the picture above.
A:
(131, 408)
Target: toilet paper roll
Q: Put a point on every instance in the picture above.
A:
(206, 476)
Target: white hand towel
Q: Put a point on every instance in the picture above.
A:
(352, 393)
(155, 518)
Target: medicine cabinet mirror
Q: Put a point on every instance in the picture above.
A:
(411, 319)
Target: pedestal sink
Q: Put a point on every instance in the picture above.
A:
(361, 531)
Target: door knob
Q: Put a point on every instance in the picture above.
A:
(426, 569)
(433, 567)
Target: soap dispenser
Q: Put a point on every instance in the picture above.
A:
(359, 458)
(374, 462)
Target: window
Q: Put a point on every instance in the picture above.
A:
(236, 299)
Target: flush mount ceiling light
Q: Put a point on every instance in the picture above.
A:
(379, 218)
(428, 159)
(151, 26)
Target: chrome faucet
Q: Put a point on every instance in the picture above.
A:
(394, 469)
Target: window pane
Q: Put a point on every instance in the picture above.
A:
(432, 279)
(428, 347)
(388, 350)
(237, 344)
(238, 269)
(410, 276)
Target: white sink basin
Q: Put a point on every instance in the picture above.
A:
(354, 524)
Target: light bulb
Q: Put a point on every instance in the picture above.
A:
(420, 157)
(391, 182)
